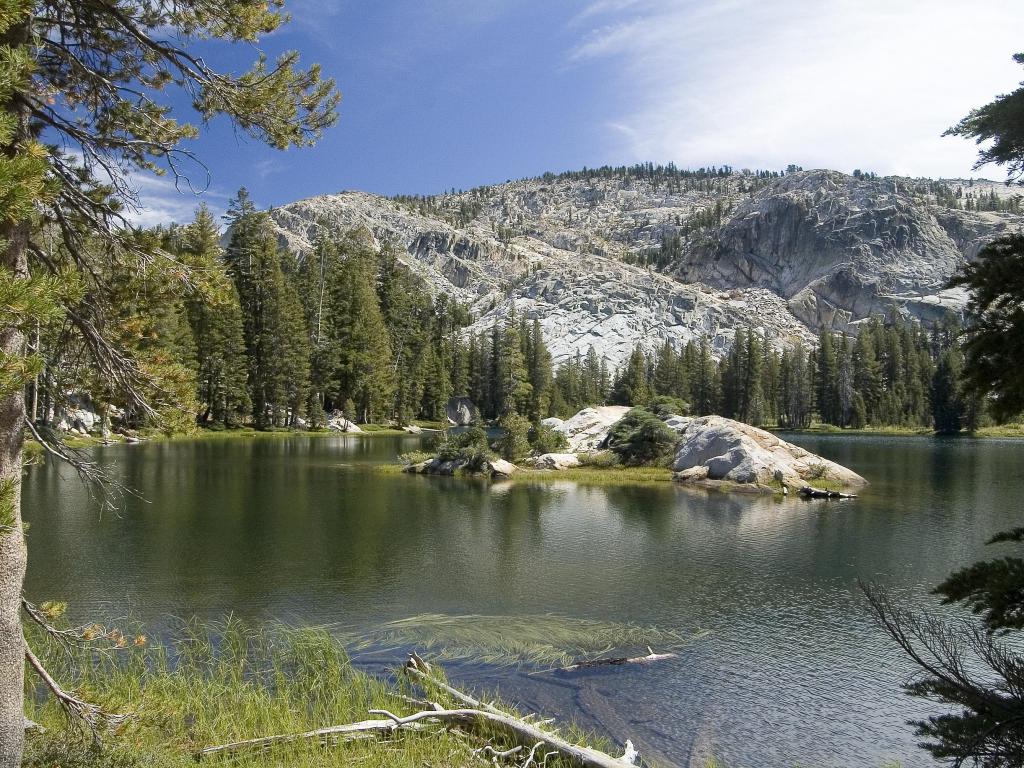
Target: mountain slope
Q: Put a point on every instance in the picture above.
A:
(615, 259)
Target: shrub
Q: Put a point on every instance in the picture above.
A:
(415, 457)
(600, 460)
(513, 444)
(545, 439)
(453, 447)
(664, 406)
(640, 437)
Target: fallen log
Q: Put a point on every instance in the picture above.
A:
(820, 493)
(619, 660)
(524, 733)
(363, 729)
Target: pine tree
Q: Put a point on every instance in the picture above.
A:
(215, 318)
(827, 379)
(540, 370)
(365, 372)
(705, 384)
(631, 387)
(947, 403)
(512, 383)
(278, 377)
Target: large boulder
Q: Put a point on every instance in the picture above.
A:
(461, 411)
(588, 429)
(719, 449)
(337, 422)
(557, 461)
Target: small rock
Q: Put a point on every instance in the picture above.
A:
(501, 468)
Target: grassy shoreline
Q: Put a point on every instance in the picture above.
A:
(226, 682)
(1000, 431)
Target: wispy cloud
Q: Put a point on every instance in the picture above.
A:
(160, 201)
(846, 83)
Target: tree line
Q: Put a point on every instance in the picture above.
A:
(280, 341)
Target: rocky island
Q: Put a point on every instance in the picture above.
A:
(710, 452)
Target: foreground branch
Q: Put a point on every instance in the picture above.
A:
(90, 714)
(476, 716)
(524, 734)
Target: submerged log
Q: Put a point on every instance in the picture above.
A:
(620, 660)
(820, 493)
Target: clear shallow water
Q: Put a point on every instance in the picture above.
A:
(790, 671)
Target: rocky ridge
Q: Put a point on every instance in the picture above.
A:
(785, 256)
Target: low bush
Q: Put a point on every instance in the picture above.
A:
(600, 460)
(640, 437)
(545, 439)
(664, 406)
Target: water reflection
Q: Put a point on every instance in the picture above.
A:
(792, 669)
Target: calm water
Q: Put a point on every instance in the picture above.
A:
(790, 671)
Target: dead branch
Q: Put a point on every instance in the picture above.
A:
(364, 729)
(524, 733)
(496, 755)
(92, 715)
(516, 729)
(620, 660)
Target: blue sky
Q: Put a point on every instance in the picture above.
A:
(440, 94)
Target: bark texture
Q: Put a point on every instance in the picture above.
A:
(13, 555)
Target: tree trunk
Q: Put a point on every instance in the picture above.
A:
(13, 555)
(12, 540)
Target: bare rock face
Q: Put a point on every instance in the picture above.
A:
(461, 411)
(338, 423)
(839, 249)
(789, 255)
(588, 429)
(719, 449)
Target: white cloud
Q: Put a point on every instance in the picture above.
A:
(844, 83)
(161, 202)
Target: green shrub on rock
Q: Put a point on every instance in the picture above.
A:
(470, 442)
(640, 437)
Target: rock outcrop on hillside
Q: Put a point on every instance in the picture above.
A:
(839, 252)
(714, 448)
(784, 256)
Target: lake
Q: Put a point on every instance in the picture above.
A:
(785, 666)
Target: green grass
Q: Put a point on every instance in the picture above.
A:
(617, 475)
(220, 683)
(1001, 430)
(832, 429)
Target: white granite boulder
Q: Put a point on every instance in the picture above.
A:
(719, 449)
(557, 461)
(587, 430)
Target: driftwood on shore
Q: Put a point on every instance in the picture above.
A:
(821, 493)
(473, 717)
